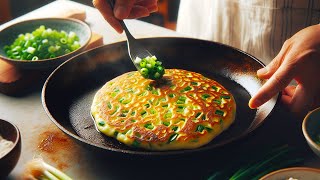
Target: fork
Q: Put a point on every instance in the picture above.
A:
(135, 49)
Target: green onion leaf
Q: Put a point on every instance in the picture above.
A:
(101, 123)
(135, 143)
(219, 112)
(175, 128)
(200, 128)
(205, 96)
(149, 126)
(166, 123)
(173, 137)
(225, 97)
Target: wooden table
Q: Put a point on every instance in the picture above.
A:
(80, 163)
(5, 13)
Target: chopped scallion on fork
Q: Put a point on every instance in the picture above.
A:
(150, 67)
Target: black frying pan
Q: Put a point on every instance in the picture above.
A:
(68, 92)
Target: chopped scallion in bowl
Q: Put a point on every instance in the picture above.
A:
(42, 43)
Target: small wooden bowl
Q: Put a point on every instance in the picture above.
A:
(9, 132)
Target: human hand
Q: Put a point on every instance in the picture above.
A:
(125, 9)
(299, 59)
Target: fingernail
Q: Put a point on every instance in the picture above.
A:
(253, 104)
(262, 71)
(121, 12)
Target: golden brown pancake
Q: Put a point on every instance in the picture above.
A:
(184, 110)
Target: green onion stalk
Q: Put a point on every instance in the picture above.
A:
(40, 170)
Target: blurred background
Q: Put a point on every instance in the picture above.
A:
(165, 17)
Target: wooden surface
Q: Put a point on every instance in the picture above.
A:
(5, 14)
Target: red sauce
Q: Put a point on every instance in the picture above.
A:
(57, 147)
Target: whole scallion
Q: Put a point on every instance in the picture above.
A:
(42, 43)
(38, 169)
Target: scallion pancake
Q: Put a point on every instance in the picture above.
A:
(184, 110)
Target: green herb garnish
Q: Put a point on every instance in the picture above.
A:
(205, 96)
(225, 97)
(219, 112)
(135, 143)
(198, 114)
(149, 126)
(143, 113)
(194, 83)
(200, 128)
(175, 128)
(42, 43)
(173, 137)
(150, 67)
(101, 123)
(166, 123)
(188, 88)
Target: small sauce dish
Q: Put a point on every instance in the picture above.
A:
(311, 130)
(8, 160)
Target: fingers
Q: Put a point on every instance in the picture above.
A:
(153, 9)
(130, 9)
(287, 95)
(122, 8)
(272, 67)
(286, 99)
(138, 12)
(279, 74)
(278, 81)
(147, 3)
(151, 5)
(289, 90)
(107, 13)
(301, 101)
(143, 8)
(291, 98)
(125, 9)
